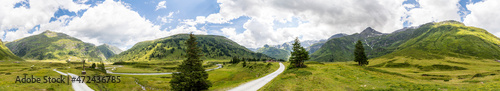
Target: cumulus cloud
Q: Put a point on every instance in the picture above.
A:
(319, 18)
(167, 18)
(113, 23)
(161, 5)
(484, 15)
(433, 11)
(27, 17)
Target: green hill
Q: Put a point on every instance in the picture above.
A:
(172, 48)
(449, 38)
(274, 52)
(54, 46)
(6, 54)
(109, 50)
(314, 47)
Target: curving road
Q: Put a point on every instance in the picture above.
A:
(109, 72)
(259, 83)
(77, 86)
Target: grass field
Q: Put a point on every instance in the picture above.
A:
(394, 74)
(229, 76)
(10, 70)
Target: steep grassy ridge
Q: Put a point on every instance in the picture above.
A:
(6, 54)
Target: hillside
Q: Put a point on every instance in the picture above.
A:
(54, 46)
(449, 38)
(109, 50)
(314, 47)
(274, 52)
(6, 54)
(172, 48)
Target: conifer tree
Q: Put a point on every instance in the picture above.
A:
(299, 55)
(191, 75)
(359, 54)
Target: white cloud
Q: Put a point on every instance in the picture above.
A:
(161, 5)
(107, 22)
(228, 31)
(25, 18)
(113, 23)
(167, 18)
(318, 19)
(433, 10)
(484, 15)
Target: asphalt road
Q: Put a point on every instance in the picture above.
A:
(77, 86)
(259, 83)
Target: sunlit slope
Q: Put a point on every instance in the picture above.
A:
(6, 54)
(54, 46)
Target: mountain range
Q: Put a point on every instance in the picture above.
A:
(431, 40)
(172, 48)
(282, 51)
(428, 41)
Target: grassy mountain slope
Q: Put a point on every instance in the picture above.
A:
(109, 50)
(54, 46)
(6, 54)
(274, 52)
(172, 48)
(449, 38)
(314, 47)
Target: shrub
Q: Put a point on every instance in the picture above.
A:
(441, 67)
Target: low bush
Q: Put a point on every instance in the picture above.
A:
(441, 67)
(313, 62)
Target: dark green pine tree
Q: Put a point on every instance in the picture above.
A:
(192, 75)
(299, 55)
(359, 54)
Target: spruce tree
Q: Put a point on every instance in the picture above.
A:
(359, 54)
(299, 55)
(244, 62)
(191, 75)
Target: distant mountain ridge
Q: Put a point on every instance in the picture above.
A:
(109, 50)
(278, 51)
(274, 52)
(54, 46)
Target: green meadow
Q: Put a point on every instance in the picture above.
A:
(397, 73)
(231, 75)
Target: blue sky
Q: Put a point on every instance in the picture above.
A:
(251, 23)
